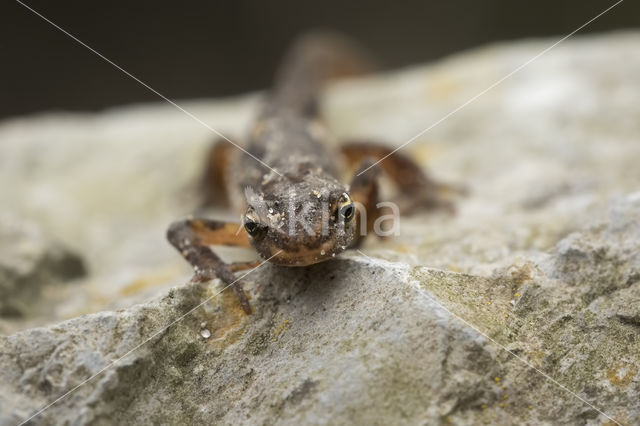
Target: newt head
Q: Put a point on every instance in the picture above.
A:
(309, 220)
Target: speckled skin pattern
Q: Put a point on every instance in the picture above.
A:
(289, 137)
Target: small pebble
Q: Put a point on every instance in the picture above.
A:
(205, 333)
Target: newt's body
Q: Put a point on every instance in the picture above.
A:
(298, 211)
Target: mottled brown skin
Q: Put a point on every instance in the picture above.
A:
(305, 175)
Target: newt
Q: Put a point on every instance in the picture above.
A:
(296, 209)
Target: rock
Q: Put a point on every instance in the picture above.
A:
(521, 309)
(28, 262)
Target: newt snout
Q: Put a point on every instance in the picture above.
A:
(304, 225)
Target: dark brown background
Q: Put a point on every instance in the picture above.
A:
(204, 49)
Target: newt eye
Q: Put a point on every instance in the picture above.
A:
(347, 212)
(252, 223)
(250, 226)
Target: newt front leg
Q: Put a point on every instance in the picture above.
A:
(364, 191)
(417, 190)
(192, 238)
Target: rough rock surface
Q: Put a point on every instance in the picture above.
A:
(28, 263)
(523, 308)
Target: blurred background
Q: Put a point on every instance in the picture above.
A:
(203, 49)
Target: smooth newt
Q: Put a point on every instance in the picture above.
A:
(298, 211)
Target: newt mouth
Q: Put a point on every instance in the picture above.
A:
(304, 256)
